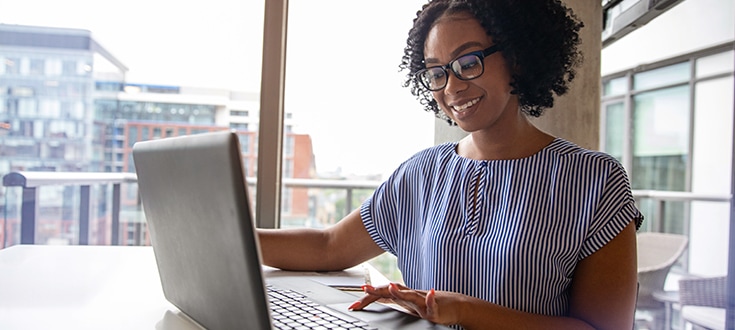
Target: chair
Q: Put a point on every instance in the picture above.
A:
(703, 302)
(657, 253)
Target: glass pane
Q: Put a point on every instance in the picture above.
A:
(80, 87)
(351, 120)
(661, 139)
(667, 75)
(660, 151)
(345, 101)
(617, 86)
(715, 64)
(712, 140)
(615, 129)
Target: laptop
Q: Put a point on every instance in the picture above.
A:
(196, 203)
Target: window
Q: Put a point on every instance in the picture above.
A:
(12, 65)
(716, 64)
(244, 143)
(338, 116)
(661, 139)
(668, 75)
(132, 135)
(615, 86)
(69, 68)
(53, 67)
(239, 126)
(614, 131)
(37, 67)
(672, 129)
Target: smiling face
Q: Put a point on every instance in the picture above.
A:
(483, 103)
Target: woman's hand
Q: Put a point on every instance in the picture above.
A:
(438, 307)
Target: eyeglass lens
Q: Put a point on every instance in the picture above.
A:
(465, 68)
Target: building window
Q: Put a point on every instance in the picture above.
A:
(53, 67)
(69, 68)
(132, 135)
(244, 144)
(288, 148)
(239, 126)
(37, 67)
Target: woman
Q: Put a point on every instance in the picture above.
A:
(509, 228)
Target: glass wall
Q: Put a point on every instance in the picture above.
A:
(112, 79)
(671, 125)
(344, 90)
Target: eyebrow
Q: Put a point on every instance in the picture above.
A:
(459, 51)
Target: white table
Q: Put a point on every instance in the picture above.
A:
(91, 287)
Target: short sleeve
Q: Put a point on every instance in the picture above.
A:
(614, 211)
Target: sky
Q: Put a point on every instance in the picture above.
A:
(343, 86)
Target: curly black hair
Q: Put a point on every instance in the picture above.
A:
(539, 38)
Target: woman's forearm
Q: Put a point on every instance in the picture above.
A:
(295, 249)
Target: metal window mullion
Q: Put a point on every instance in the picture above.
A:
(730, 310)
(628, 127)
(348, 205)
(29, 209)
(84, 211)
(115, 230)
(690, 145)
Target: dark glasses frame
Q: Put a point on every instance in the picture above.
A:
(481, 54)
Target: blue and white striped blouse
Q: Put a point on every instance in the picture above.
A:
(506, 231)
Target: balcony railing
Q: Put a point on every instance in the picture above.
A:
(31, 182)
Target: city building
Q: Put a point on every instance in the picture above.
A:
(65, 106)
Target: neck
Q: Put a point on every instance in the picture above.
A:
(520, 140)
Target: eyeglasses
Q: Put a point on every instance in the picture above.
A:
(466, 67)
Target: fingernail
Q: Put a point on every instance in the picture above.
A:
(393, 286)
(354, 305)
(367, 288)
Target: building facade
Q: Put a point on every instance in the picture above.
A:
(65, 106)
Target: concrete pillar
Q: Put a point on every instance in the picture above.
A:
(576, 115)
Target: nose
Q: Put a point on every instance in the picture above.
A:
(454, 84)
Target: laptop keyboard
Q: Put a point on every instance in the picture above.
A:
(292, 310)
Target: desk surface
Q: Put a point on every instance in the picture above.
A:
(87, 287)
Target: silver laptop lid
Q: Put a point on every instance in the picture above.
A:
(196, 204)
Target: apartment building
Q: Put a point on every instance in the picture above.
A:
(65, 106)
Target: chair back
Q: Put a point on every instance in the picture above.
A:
(657, 253)
(706, 291)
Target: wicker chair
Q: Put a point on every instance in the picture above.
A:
(657, 253)
(703, 301)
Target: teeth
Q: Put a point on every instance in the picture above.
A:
(464, 107)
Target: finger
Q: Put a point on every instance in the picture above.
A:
(363, 302)
(400, 286)
(395, 289)
(382, 292)
(411, 300)
(372, 295)
(401, 292)
(432, 309)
